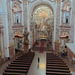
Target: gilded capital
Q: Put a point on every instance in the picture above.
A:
(24, 1)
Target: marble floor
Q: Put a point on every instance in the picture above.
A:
(73, 73)
(34, 68)
(41, 69)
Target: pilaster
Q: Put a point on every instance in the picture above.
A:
(25, 14)
(11, 36)
(57, 19)
(73, 22)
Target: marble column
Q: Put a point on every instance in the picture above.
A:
(9, 10)
(2, 46)
(25, 14)
(57, 19)
(6, 32)
(74, 34)
(28, 23)
(26, 19)
(6, 38)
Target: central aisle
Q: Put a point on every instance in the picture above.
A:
(42, 46)
(34, 69)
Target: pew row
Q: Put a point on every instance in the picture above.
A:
(20, 65)
(55, 65)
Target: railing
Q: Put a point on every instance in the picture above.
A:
(15, 24)
(65, 24)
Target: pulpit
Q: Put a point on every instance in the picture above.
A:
(18, 36)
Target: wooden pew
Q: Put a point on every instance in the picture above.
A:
(20, 65)
(23, 60)
(54, 60)
(16, 71)
(52, 67)
(57, 73)
(58, 70)
(9, 73)
(22, 68)
(55, 65)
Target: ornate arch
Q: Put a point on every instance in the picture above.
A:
(35, 5)
(66, 5)
(43, 29)
(16, 7)
(38, 4)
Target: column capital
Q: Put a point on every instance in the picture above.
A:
(24, 1)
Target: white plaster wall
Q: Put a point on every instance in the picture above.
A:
(71, 47)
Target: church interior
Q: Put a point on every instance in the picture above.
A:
(37, 37)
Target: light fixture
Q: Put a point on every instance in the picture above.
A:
(43, 26)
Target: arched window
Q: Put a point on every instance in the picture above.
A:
(17, 17)
(66, 13)
(67, 17)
